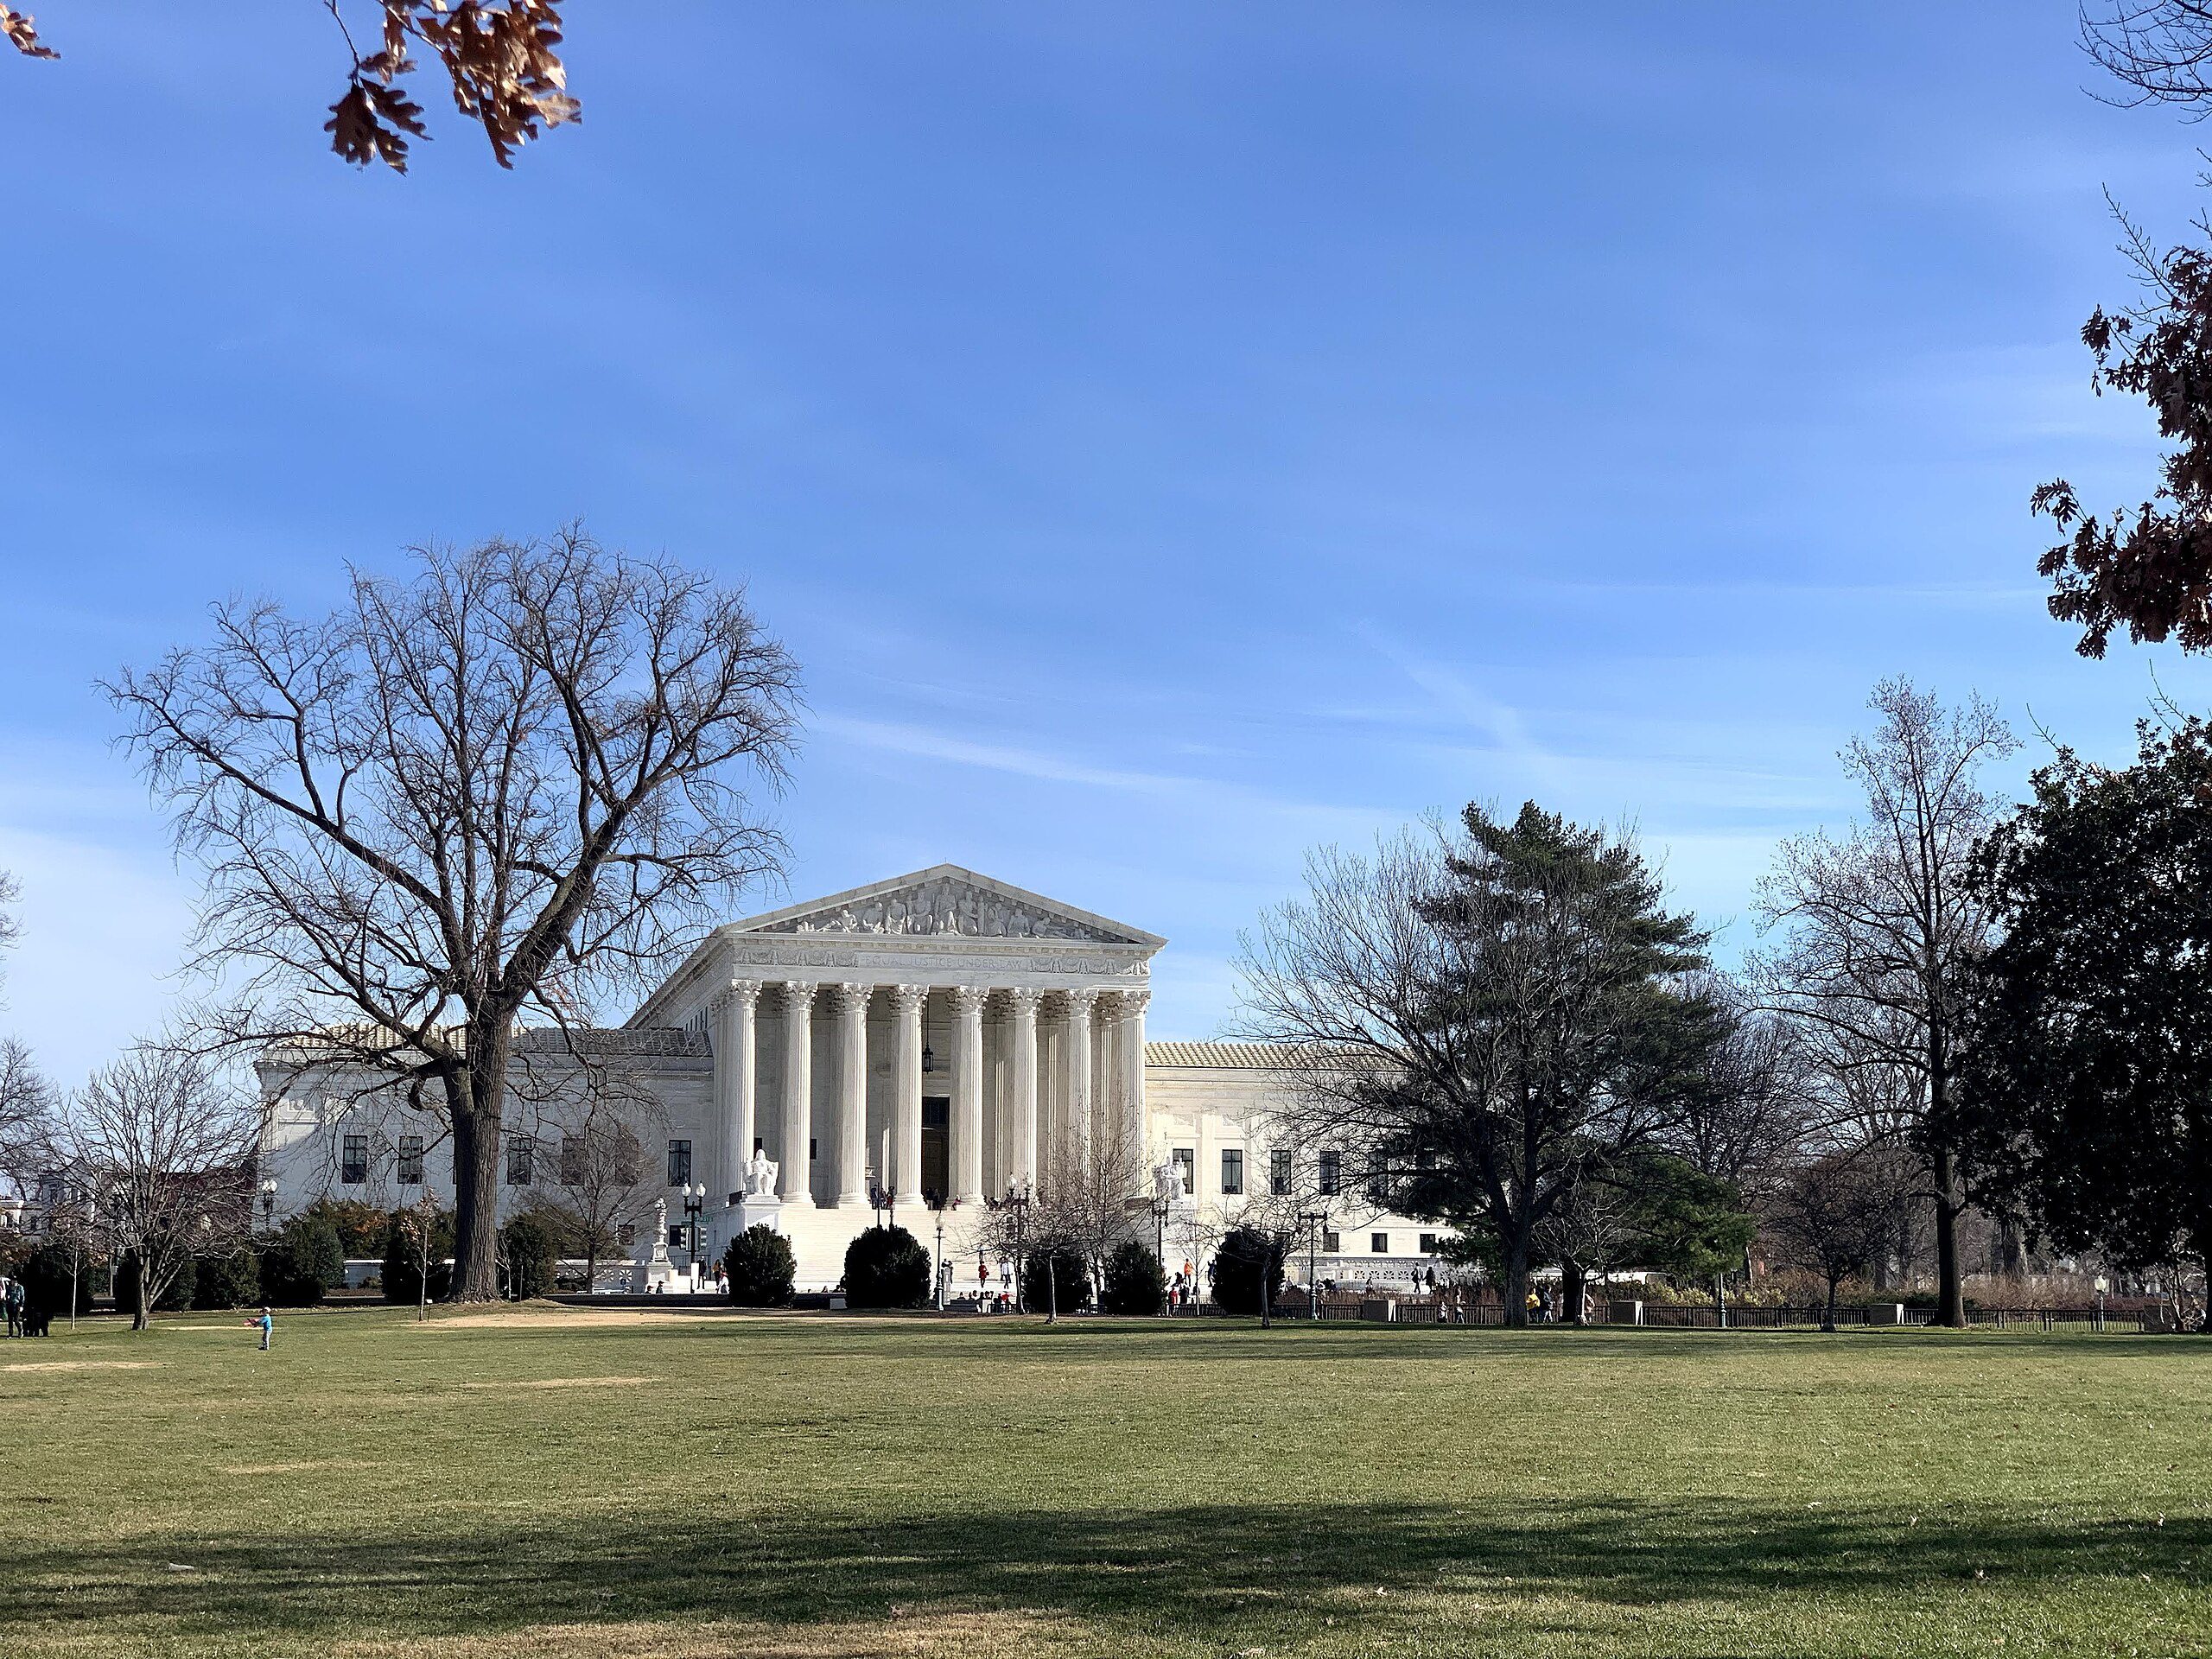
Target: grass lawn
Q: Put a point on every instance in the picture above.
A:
(542, 1482)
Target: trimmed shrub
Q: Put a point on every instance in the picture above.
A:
(302, 1262)
(886, 1267)
(1135, 1283)
(402, 1278)
(232, 1281)
(531, 1247)
(45, 1273)
(1067, 1289)
(1247, 1266)
(359, 1223)
(761, 1267)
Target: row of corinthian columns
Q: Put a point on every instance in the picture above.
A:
(1021, 1131)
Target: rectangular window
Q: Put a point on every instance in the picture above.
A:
(625, 1237)
(354, 1165)
(572, 1161)
(1428, 1244)
(1186, 1166)
(1331, 1242)
(1279, 1172)
(410, 1160)
(679, 1163)
(1332, 1172)
(518, 1161)
(1232, 1173)
(1380, 1243)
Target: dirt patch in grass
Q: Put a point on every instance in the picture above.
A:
(907, 1636)
(561, 1382)
(85, 1365)
(301, 1468)
(575, 1318)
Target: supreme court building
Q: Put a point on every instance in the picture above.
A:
(919, 1046)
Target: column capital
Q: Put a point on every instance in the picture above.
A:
(1081, 1000)
(797, 995)
(852, 998)
(1129, 1004)
(969, 999)
(1022, 999)
(906, 999)
(746, 991)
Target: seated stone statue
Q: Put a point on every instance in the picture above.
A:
(759, 1175)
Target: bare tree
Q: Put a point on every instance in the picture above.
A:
(1835, 1214)
(2159, 50)
(1747, 1126)
(1879, 926)
(500, 58)
(483, 794)
(1474, 1020)
(26, 1115)
(606, 1179)
(164, 1147)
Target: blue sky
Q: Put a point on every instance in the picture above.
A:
(1169, 435)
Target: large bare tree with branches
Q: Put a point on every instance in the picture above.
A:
(1879, 927)
(486, 792)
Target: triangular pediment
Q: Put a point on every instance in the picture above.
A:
(945, 902)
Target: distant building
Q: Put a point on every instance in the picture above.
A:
(925, 1044)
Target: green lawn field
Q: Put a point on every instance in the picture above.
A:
(542, 1482)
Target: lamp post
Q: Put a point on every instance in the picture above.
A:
(1159, 1207)
(2103, 1285)
(1017, 1198)
(942, 1271)
(268, 1204)
(1311, 1220)
(695, 1205)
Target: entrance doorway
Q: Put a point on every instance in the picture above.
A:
(937, 1129)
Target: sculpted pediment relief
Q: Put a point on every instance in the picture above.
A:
(944, 908)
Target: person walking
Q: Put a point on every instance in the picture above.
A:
(15, 1297)
(268, 1328)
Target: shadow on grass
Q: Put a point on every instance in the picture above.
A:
(1205, 1573)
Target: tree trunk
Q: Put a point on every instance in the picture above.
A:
(1573, 1281)
(1950, 1300)
(1828, 1320)
(476, 1168)
(142, 1315)
(1720, 1301)
(1515, 1236)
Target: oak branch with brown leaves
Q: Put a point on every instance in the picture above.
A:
(501, 59)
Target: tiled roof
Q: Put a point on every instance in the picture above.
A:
(658, 1041)
(1264, 1056)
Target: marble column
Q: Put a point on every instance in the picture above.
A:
(1021, 1112)
(904, 1178)
(1076, 1125)
(964, 1159)
(852, 1095)
(792, 1180)
(735, 1072)
(1129, 1092)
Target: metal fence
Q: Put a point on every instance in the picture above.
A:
(1692, 1316)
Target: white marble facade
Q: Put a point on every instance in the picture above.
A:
(921, 1044)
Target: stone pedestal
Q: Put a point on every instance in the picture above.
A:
(751, 1209)
(653, 1274)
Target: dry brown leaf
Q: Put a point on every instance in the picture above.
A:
(21, 30)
